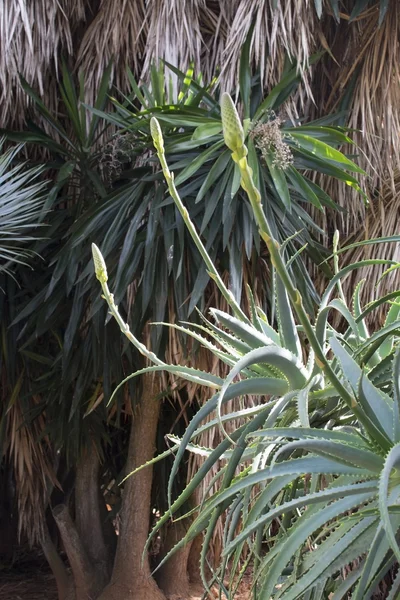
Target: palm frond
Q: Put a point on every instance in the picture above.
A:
(21, 209)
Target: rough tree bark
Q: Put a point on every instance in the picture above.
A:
(84, 540)
(131, 580)
(87, 586)
(193, 565)
(89, 518)
(65, 584)
(173, 577)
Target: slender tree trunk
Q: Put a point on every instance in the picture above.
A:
(131, 579)
(87, 586)
(65, 585)
(88, 515)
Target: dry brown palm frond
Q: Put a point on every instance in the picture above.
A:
(29, 450)
(381, 220)
(372, 55)
(291, 29)
(33, 37)
(180, 32)
(117, 32)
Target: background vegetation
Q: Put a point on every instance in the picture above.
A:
(84, 118)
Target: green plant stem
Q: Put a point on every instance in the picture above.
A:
(124, 327)
(212, 271)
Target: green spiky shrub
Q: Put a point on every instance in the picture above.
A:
(308, 482)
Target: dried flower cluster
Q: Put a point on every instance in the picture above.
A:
(268, 139)
(119, 151)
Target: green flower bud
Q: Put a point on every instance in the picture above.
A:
(100, 267)
(156, 134)
(231, 125)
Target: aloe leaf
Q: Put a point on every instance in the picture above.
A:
(194, 482)
(255, 319)
(361, 325)
(304, 527)
(358, 457)
(372, 345)
(250, 335)
(251, 386)
(366, 489)
(377, 409)
(336, 435)
(376, 555)
(387, 566)
(188, 373)
(296, 467)
(287, 327)
(302, 402)
(396, 396)
(393, 316)
(394, 590)
(385, 498)
(330, 557)
(341, 592)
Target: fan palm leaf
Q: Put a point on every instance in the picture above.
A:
(21, 209)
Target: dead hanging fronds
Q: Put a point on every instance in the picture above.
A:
(289, 29)
(33, 37)
(381, 220)
(179, 32)
(29, 451)
(117, 33)
(367, 61)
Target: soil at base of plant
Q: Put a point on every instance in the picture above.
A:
(31, 579)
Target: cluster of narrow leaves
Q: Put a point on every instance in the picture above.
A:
(308, 483)
(283, 157)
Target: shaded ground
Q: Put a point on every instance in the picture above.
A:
(31, 579)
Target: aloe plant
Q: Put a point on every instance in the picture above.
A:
(308, 481)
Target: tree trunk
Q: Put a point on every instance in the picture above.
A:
(65, 585)
(173, 576)
(194, 560)
(87, 586)
(88, 515)
(131, 580)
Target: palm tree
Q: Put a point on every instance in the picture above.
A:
(22, 199)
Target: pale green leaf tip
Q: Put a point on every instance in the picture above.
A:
(99, 264)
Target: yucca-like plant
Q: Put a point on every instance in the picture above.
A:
(285, 155)
(308, 482)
